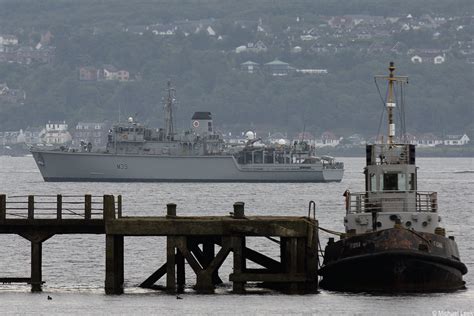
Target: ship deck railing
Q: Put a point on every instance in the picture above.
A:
(391, 201)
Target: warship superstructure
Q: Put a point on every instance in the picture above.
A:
(135, 152)
(393, 240)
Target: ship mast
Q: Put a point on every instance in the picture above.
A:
(390, 104)
(169, 128)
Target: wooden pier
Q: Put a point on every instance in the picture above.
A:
(191, 239)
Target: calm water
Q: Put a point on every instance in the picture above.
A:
(73, 265)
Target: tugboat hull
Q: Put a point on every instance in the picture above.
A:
(393, 271)
(393, 260)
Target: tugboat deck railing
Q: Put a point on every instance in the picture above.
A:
(391, 201)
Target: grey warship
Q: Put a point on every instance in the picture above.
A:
(135, 152)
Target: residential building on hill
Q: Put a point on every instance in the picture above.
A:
(88, 73)
(110, 72)
(456, 140)
(56, 133)
(327, 139)
(87, 132)
(250, 67)
(278, 68)
(7, 39)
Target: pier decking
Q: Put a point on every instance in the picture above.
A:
(191, 239)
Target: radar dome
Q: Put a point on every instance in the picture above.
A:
(281, 141)
(250, 135)
(130, 119)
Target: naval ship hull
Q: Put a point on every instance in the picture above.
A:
(78, 166)
(391, 261)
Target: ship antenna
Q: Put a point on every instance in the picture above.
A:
(390, 104)
(169, 128)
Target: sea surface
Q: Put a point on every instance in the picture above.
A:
(74, 270)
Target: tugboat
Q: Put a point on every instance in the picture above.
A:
(393, 240)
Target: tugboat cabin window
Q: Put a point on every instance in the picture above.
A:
(373, 183)
(412, 182)
(402, 182)
(393, 181)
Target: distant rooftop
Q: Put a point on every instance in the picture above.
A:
(276, 62)
(202, 116)
(249, 63)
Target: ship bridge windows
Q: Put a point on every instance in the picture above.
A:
(394, 181)
(391, 181)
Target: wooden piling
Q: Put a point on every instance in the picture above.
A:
(109, 207)
(180, 272)
(114, 268)
(36, 262)
(239, 210)
(114, 264)
(3, 207)
(87, 206)
(208, 250)
(31, 207)
(170, 210)
(238, 286)
(59, 206)
(170, 265)
(293, 263)
(119, 206)
(312, 258)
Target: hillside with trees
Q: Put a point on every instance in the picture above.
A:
(206, 70)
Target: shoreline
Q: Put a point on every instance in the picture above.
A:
(431, 152)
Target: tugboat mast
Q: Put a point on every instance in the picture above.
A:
(390, 104)
(169, 128)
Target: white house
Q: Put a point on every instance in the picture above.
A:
(8, 40)
(296, 50)
(456, 140)
(327, 139)
(313, 71)
(428, 140)
(56, 133)
(427, 56)
(258, 47)
(112, 73)
(250, 67)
